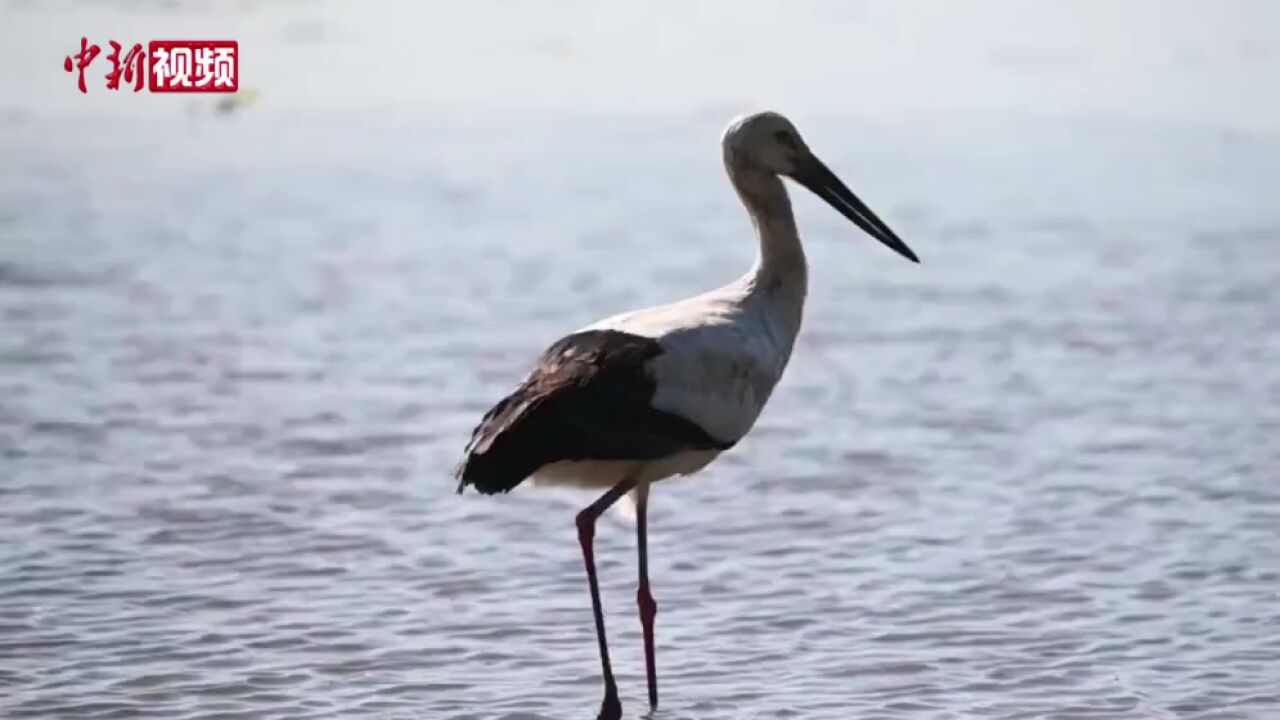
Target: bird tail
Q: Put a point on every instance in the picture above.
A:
(502, 453)
(488, 476)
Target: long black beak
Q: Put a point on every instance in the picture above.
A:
(822, 182)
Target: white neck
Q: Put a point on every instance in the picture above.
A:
(780, 271)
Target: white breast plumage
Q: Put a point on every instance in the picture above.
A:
(723, 353)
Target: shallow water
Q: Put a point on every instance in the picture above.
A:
(1035, 476)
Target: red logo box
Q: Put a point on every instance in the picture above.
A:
(193, 66)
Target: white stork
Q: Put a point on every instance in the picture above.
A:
(653, 393)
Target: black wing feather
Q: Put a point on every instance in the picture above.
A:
(587, 399)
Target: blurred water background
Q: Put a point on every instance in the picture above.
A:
(1036, 476)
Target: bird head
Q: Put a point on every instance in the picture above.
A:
(768, 142)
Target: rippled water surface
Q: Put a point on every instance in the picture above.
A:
(1036, 476)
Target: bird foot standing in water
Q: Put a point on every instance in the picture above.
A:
(611, 708)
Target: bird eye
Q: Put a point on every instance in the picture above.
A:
(785, 138)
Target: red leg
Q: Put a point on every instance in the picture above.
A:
(644, 598)
(611, 707)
